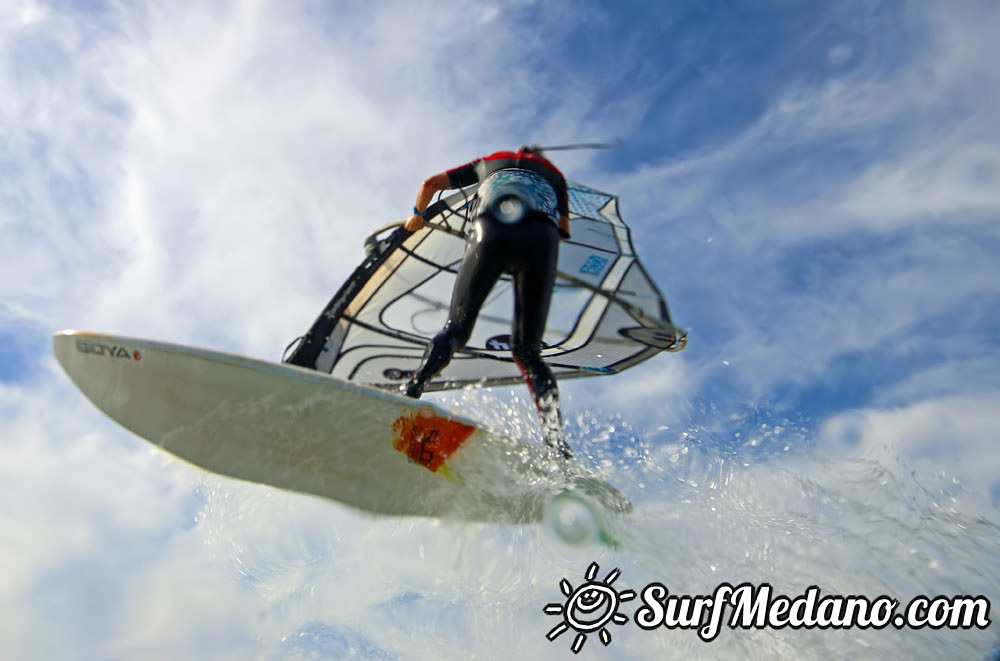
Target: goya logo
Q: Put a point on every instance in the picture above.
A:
(96, 348)
(429, 439)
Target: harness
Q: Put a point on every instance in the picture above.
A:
(512, 194)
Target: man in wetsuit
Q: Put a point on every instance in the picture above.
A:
(520, 215)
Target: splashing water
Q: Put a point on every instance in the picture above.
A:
(745, 499)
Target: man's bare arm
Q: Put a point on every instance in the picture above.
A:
(430, 186)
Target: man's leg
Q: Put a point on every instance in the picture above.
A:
(534, 279)
(478, 272)
(545, 392)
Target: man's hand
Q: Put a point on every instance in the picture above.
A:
(564, 228)
(413, 223)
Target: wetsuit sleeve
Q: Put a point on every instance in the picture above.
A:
(463, 175)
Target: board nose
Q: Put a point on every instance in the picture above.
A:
(62, 347)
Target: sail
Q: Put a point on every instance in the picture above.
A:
(606, 315)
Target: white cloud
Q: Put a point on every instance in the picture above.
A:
(948, 439)
(73, 488)
(954, 181)
(877, 147)
(818, 232)
(244, 153)
(222, 166)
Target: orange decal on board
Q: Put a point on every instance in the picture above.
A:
(429, 439)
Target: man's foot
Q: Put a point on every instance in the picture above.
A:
(411, 389)
(559, 445)
(552, 427)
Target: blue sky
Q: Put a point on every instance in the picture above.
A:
(815, 185)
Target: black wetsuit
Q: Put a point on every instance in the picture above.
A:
(526, 247)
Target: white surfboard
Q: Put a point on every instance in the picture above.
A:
(305, 431)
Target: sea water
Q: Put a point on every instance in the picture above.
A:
(742, 500)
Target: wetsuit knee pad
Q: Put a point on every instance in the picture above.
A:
(453, 336)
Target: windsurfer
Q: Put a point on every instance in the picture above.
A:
(522, 212)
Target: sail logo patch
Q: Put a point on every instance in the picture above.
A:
(498, 343)
(95, 348)
(428, 439)
(594, 265)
